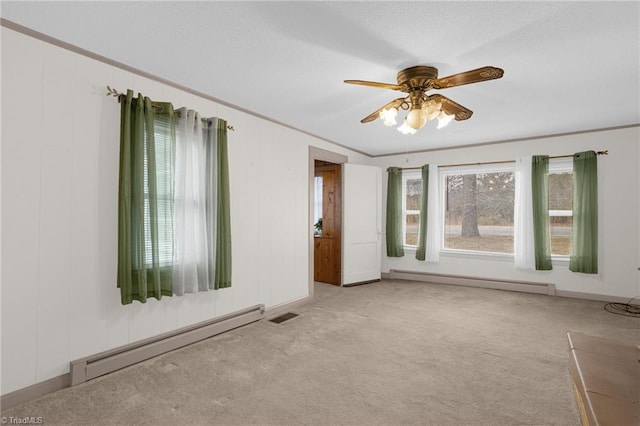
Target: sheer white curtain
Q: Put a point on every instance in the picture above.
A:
(523, 243)
(191, 251)
(434, 217)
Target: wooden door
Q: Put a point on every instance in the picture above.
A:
(328, 245)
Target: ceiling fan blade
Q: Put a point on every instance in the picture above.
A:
(468, 77)
(374, 84)
(451, 107)
(393, 104)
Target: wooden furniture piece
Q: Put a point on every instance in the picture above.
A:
(606, 380)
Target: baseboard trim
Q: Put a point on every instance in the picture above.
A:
(496, 284)
(592, 296)
(34, 391)
(521, 286)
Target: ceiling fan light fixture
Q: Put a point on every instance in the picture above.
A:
(444, 119)
(432, 109)
(405, 129)
(388, 116)
(416, 82)
(437, 109)
(416, 119)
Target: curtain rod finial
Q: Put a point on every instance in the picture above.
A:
(605, 152)
(113, 92)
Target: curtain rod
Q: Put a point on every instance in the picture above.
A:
(605, 152)
(118, 95)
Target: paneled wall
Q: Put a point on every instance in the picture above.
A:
(60, 142)
(619, 209)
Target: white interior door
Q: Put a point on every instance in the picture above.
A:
(362, 223)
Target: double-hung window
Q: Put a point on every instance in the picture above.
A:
(164, 151)
(560, 205)
(411, 192)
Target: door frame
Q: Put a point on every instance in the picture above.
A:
(322, 155)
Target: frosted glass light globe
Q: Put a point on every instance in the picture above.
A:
(405, 129)
(415, 119)
(444, 119)
(388, 116)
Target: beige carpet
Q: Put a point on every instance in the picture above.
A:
(389, 353)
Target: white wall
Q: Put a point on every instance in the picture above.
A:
(619, 185)
(60, 143)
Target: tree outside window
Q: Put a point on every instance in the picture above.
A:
(478, 211)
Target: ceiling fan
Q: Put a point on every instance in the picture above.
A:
(417, 81)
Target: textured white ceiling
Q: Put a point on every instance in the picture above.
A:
(569, 66)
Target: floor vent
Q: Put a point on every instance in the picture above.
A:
(283, 318)
(361, 283)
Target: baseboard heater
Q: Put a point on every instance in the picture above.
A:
(498, 284)
(106, 362)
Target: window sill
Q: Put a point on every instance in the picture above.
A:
(560, 260)
(501, 257)
(468, 254)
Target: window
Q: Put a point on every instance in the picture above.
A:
(560, 205)
(173, 202)
(163, 148)
(477, 203)
(411, 191)
(317, 205)
(478, 208)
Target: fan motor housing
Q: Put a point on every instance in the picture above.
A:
(416, 78)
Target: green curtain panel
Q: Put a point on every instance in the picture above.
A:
(223, 215)
(142, 199)
(540, 198)
(584, 237)
(394, 212)
(422, 233)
